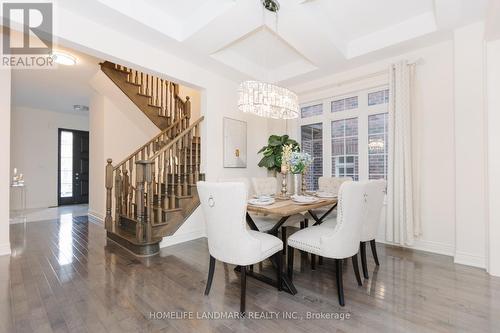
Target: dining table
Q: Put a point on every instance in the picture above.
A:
(282, 209)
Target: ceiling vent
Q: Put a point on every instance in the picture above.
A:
(80, 107)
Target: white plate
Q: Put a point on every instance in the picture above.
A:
(305, 203)
(304, 200)
(257, 202)
(263, 196)
(326, 195)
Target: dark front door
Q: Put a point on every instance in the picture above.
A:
(73, 167)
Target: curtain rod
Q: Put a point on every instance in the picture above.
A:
(415, 62)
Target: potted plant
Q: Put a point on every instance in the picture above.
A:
(273, 151)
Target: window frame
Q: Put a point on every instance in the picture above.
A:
(361, 112)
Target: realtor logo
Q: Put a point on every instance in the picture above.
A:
(28, 35)
(36, 21)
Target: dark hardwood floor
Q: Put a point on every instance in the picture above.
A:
(62, 276)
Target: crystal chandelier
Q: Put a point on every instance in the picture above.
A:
(265, 99)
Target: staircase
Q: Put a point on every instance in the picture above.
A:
(153, 191)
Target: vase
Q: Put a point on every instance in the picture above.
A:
(304, 184)
(297, 186)
(284, 186)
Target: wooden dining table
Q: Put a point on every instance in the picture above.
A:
(282, 210)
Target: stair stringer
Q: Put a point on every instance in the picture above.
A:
(192, 228)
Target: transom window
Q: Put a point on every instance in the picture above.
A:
(343, 104)
(310, 111)
(354, 136)
(378, 97)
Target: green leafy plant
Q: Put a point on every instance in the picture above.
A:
(272, 152)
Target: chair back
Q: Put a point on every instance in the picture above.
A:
(265, 185)
(331, 184)
(376, 192)
(343, 242)
(238, 180)
(224, 209)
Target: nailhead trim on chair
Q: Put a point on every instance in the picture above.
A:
(314, 249)
(305, 247)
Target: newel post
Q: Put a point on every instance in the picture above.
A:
(139, 201)
(108, 221)
(149, 175)
(118, 193)
(188, 112)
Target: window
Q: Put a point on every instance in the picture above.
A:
(312, 143)
(354, 141)
(66, 164)
(345, 104)
(377, 146)
(378, 97)
(345, 161)
(310, 111)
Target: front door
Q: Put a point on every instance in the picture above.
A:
(73, 167)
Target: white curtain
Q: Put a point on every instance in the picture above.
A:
(402, 224)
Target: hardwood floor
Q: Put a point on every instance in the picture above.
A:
(62, 276)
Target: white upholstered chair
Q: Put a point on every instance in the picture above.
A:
(331, 184)
(376, 192)
(263, 223)
(268, 186)
(229, 241)
(339, 242)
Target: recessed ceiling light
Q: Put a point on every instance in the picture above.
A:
(63, 58)
(78, 107)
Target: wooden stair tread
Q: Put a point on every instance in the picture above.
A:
(132, 239)
(125, 71)
(170, 210)
(134, 84)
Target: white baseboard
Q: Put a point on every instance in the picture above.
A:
(426, 246)
(96, 218)
(181, 238)
(5, 249)
(470, 260)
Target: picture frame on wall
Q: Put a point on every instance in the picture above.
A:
(235, 143)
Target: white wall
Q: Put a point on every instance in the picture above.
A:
(470, 146)
(434, 136)
(5, 111)
(493, 109)
(118, 128)
(34, 151)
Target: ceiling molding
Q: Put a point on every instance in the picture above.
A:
(407, 30)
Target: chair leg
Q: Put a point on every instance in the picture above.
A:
(290, 263)
(301, 225)
(283, 239)
(306, 223)
(243, 291)
(340, 284)
(279, 270)
(313, 261)
(320, 260)
(356, 269)
(211, 270)
(374, 252)
(362, 246)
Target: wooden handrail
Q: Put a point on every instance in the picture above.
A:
(165, 131)
(174, 141)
